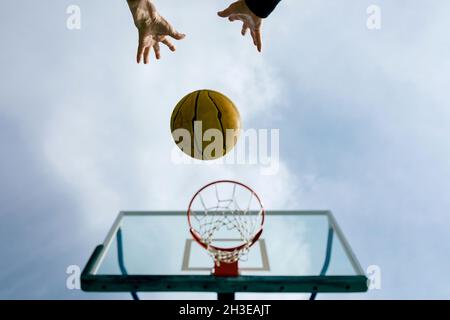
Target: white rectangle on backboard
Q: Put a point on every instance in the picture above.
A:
(196, 258)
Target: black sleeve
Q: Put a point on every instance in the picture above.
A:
(262, 8)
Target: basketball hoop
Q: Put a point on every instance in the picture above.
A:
(226, 209)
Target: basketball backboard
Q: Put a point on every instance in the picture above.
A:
(299, 251)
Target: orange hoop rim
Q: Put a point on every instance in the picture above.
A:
(197, 236)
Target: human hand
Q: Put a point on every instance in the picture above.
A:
(240, 11)
(153, 29)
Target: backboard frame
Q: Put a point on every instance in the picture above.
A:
(91, 281)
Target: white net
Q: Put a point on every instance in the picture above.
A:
(226, 210)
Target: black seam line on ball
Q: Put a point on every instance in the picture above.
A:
(220, 121)
(193, 122)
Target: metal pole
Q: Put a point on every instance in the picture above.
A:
(225, 296)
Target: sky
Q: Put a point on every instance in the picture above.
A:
(362, 114)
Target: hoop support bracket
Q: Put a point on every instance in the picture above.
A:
(223, 269)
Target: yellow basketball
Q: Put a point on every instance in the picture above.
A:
(205, 124)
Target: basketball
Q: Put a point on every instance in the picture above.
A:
(205, 124)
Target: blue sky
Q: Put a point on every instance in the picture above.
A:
(363, 118)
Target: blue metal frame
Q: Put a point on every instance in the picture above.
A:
(121, 261)
(327, 260)
(91, 281)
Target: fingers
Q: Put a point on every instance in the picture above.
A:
(244, 29)
(252, 32)
(225, 13)
(168, 44)
(236, 12)
(257, 41)
(148, 40)
(233, 17)
(176, 35)
(146, 54)
(140, 52)
(171, 31)
(157, 50)
(141, 48)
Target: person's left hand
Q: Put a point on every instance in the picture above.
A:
(240, 11)
(153, 29)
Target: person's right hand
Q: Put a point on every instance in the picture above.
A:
(240, 11)
(152, 28)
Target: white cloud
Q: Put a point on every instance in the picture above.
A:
(364, 116)
(112, 144)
